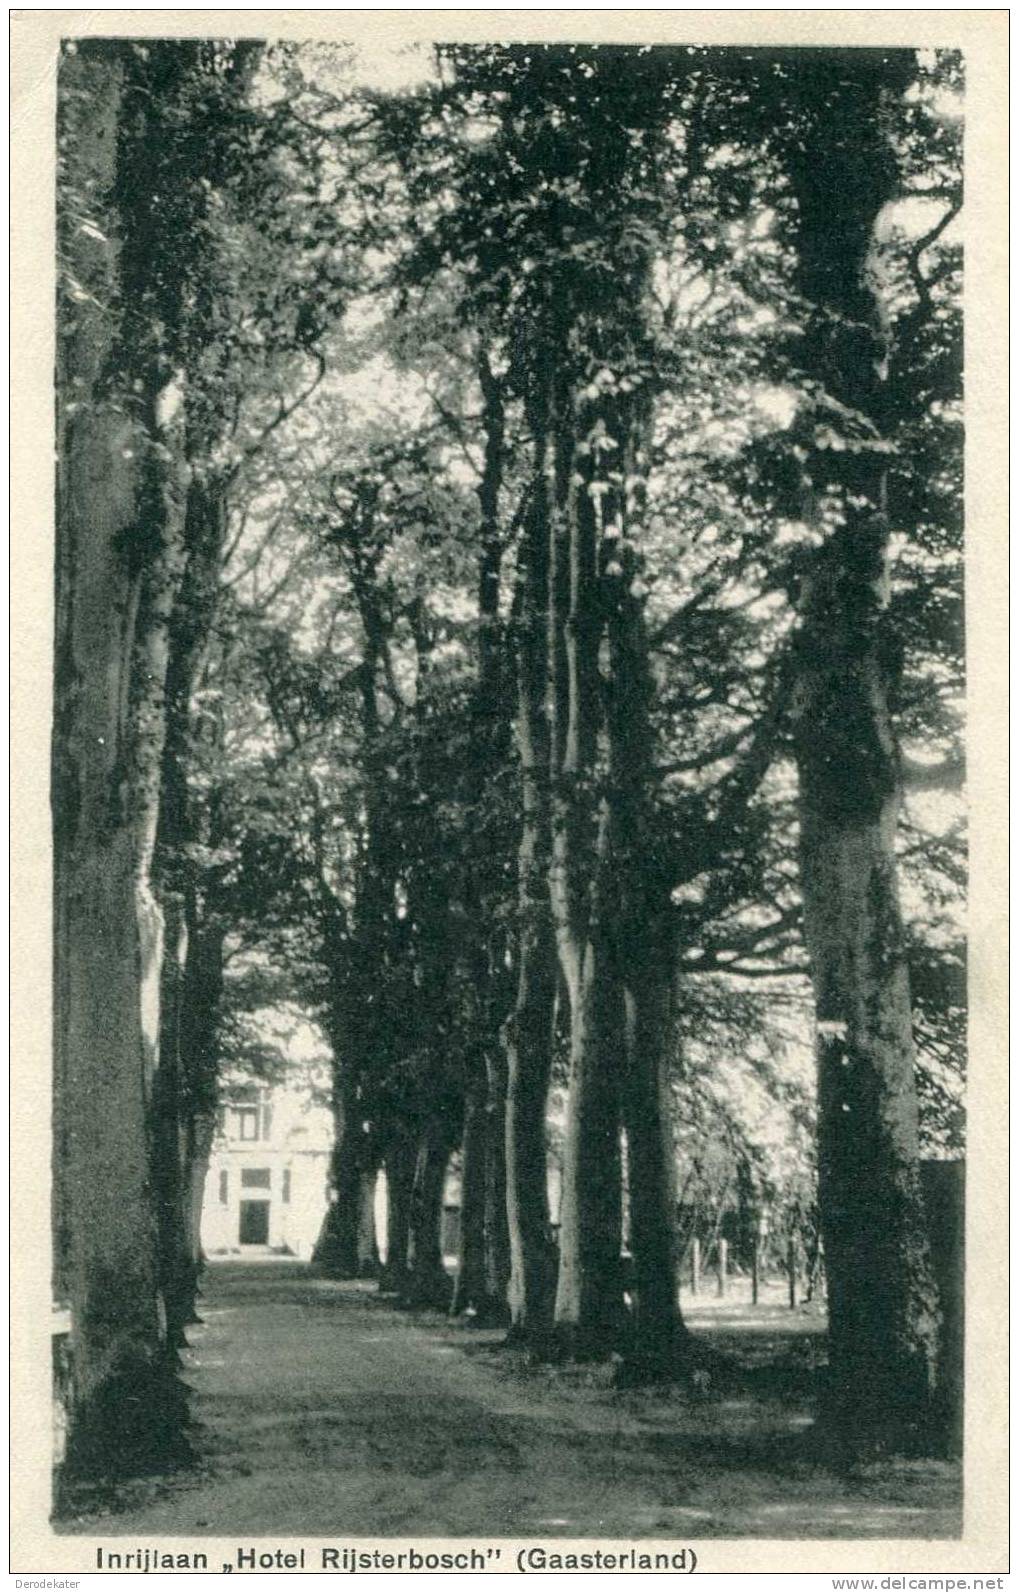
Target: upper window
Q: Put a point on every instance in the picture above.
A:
(244, 1122)
(246, 1113)
(243, 1094)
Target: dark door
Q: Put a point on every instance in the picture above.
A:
(254, 1222)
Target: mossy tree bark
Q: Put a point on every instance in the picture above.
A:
(119, 533)
(883, 1307)
(882, 1301)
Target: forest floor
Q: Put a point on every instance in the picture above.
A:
(321, 1411)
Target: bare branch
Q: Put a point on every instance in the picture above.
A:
(283, 413)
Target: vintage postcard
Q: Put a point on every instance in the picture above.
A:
(509, 558)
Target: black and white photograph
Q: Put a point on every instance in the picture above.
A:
(508, 795)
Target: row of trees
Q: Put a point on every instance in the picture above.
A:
(476, 508)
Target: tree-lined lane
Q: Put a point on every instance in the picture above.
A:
(324, 1413)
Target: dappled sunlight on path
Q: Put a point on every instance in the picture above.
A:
(324, 1412)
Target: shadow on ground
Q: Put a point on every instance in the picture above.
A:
(322, 1412)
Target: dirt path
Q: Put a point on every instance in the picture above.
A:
(323, 1412)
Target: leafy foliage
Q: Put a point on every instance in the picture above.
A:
(366, 275)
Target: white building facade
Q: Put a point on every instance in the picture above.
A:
(268, 1181)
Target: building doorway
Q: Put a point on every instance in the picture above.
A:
(254, 1228)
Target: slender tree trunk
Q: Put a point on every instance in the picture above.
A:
(167, 1130)
(203, 1130)
(529, 1032)
(164, 498)
(367, 1242)
(497, 1253)
(493, 751)
(400, 1159)
(199, 1065)
(483, 1261)
(470, 1290)
(186, 1217)
(190, 985)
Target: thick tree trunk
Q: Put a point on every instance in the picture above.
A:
(483, 1252)
(119, 521)
(336, 1250)
(883, 1307)
(347, 1246)
(642, 942)
(589, 1318)
(430, 1284)
(882, 1301)
(661, 1344)
(589, 1301)
(529, 1037)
